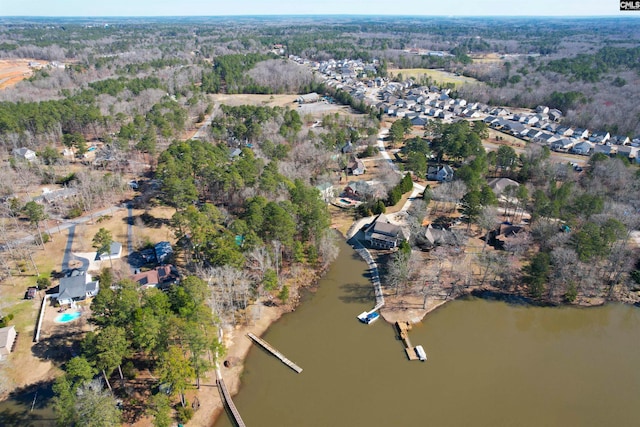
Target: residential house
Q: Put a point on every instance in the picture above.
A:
(515, 128)
(531, 120)
(24, 153)
(355, 167)
(628, 151)
(546, 138)
(160, 277)
(435, 236)
(470, 114)
(580, 133)
(401, 112)
(163, 251)
(501, 235)
(77, 286)
(347, 148)
(583, 148)
(419, 121)
(620, 140)
(533, 133)
(600, 137)
(115, 251)
(542, 109)
(491, 119)
(235, 153)
(8, 337)
(499, 185)
(555, 115)
(351, 191)
(51, 197)
(564, 130)
(609, 150)
(444, 115)
(326, 191)
(563, 144)
(381, 234)
(499, 112)
(441, 174)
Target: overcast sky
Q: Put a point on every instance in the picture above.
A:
(317, 7)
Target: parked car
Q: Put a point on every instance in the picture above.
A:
(31, 292)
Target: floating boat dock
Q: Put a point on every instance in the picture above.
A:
(413, 353)
(275, 352)
(226, 398)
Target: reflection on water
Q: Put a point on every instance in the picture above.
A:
(490, 364)
(29, 407)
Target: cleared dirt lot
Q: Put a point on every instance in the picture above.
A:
(13, 71)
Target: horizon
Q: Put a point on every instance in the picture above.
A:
(414, 8)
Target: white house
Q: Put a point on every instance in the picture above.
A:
(76, 287)
(25, 154)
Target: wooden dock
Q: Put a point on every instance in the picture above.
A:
(403, 331)
(275, 352)
(226, 398)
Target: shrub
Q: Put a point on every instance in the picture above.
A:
(74, 213)
(184, 413)
(43, 282)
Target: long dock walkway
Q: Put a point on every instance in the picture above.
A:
(226, 398)
(275, 352)
(375, 276)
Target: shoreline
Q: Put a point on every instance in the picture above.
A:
(238, 345)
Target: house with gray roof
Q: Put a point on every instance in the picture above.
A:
(499, 185)
(620, 140)
(442, 174)
(628, 151)
(563, 144)
(583, 148)
(77, 286)
(580, 133)
(164, 251)
(555, 114)
(600, 137)
(381, 234)
(24, 153)
(608, 150)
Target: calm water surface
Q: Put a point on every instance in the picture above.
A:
(490, 364)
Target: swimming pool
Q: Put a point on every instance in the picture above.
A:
(67, 317)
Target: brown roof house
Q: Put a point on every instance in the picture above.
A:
(501, 235)
(159, 277)
(8, 337)
(381, 234)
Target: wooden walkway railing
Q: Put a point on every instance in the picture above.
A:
(226, 398)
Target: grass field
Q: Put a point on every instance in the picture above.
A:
(439, 76)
